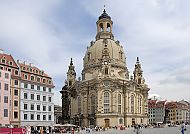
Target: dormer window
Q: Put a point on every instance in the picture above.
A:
(24, 68)
(3, 60)
(50, 82)
(11, 63)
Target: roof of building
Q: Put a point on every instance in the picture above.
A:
(9, 60)
(32, 69)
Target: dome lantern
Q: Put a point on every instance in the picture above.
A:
(104, 26)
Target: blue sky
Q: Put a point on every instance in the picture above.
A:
(48, 33)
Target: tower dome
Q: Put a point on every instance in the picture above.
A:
(105, 48)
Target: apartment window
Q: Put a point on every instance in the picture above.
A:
(6, 76)
(32, 86)
(25, 85)
(9, 70)
(32, 116)
(49, 90)
(32, 78)
(16, 103)
(44, 117)
(44, 89)
(38, 107)
(38, 117)
(49, 108)
(15, 115)
(44, 98)
(0, 85)
(44, 80)
(16, 82)
(16, 72)
(49, 99)
(38, 79)
(32, 96)
(5, 99)
(38, 87)
(49, 117)
(0, 73)
(25, 76)
(25, 106)
(6, 86)
(5, 112)
(25, 116)
(16, 92)
(38, 97)
(32, 107)
(25, 96)
(44, 108)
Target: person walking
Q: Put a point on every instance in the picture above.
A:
(182, 128)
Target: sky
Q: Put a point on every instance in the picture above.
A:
(47, 33)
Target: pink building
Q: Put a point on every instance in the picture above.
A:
(5, 79)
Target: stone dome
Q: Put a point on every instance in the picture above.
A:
(104, 49)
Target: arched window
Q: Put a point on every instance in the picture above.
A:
(140, 104)
(119, 103)
(93, 104)
(108, 27)
(132, 104)
(79, 104)
(106, 102)
(101, 27)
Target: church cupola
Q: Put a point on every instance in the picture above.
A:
(104, 27)
(138, 73)
(71, 74)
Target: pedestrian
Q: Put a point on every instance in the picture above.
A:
(72, 130)
(182, 127)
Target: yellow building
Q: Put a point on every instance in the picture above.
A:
(106, 95)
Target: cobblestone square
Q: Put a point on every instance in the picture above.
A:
(167, 130)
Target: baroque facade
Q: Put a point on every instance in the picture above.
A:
(107, 95)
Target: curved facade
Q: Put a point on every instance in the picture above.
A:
(107, 95)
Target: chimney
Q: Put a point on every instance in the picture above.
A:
(1, 51)
(18, 61)
(30, 64)
(24, 62)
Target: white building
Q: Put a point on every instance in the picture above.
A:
(36, 106)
